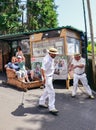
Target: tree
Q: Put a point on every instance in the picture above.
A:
(41, 14)
(89, 48)
(9, 16)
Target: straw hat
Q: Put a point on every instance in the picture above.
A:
(52, 51)
(77, 54)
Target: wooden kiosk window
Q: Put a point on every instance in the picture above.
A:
(73, 45)
(40, 48)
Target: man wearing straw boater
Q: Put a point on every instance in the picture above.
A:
(78, 66)
(47, 73)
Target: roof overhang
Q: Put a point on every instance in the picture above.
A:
(26, 35)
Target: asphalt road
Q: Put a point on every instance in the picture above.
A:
(19, 110)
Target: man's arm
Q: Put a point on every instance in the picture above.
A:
(76, 66)
(79, 66)
(71, 67)
(44, 76)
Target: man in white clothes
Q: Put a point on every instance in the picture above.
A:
(47, 73)
(78, 65)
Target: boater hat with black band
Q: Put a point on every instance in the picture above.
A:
(52, 51)
(77, 54)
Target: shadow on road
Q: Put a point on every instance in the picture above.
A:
(23, 111)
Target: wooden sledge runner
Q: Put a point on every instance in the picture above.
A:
(13, 80)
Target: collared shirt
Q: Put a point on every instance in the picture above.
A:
(48, 65)
(78, 70)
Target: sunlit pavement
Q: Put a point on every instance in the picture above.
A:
(19, 110)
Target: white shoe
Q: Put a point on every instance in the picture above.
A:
(43, 105)
(73, 96)
(42, 87)
(91, 96)
(54, 110)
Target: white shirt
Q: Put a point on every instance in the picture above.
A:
(48, 65)
(78, 70)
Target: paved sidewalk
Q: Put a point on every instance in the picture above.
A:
(74, 113)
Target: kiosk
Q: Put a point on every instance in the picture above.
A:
(67, 41)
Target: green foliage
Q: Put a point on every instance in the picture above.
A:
(41, 14)
(89, 48)
(9, 14)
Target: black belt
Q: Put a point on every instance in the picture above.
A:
(50, 76)
(80, 74)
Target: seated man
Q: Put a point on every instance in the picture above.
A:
(13, 64)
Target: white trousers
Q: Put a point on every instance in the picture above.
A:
(84, 82)
(49, 93)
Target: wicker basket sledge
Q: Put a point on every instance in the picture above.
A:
(13, 80)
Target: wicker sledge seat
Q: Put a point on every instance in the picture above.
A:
(13, 80)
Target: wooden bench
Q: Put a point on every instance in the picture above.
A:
(13, 80)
